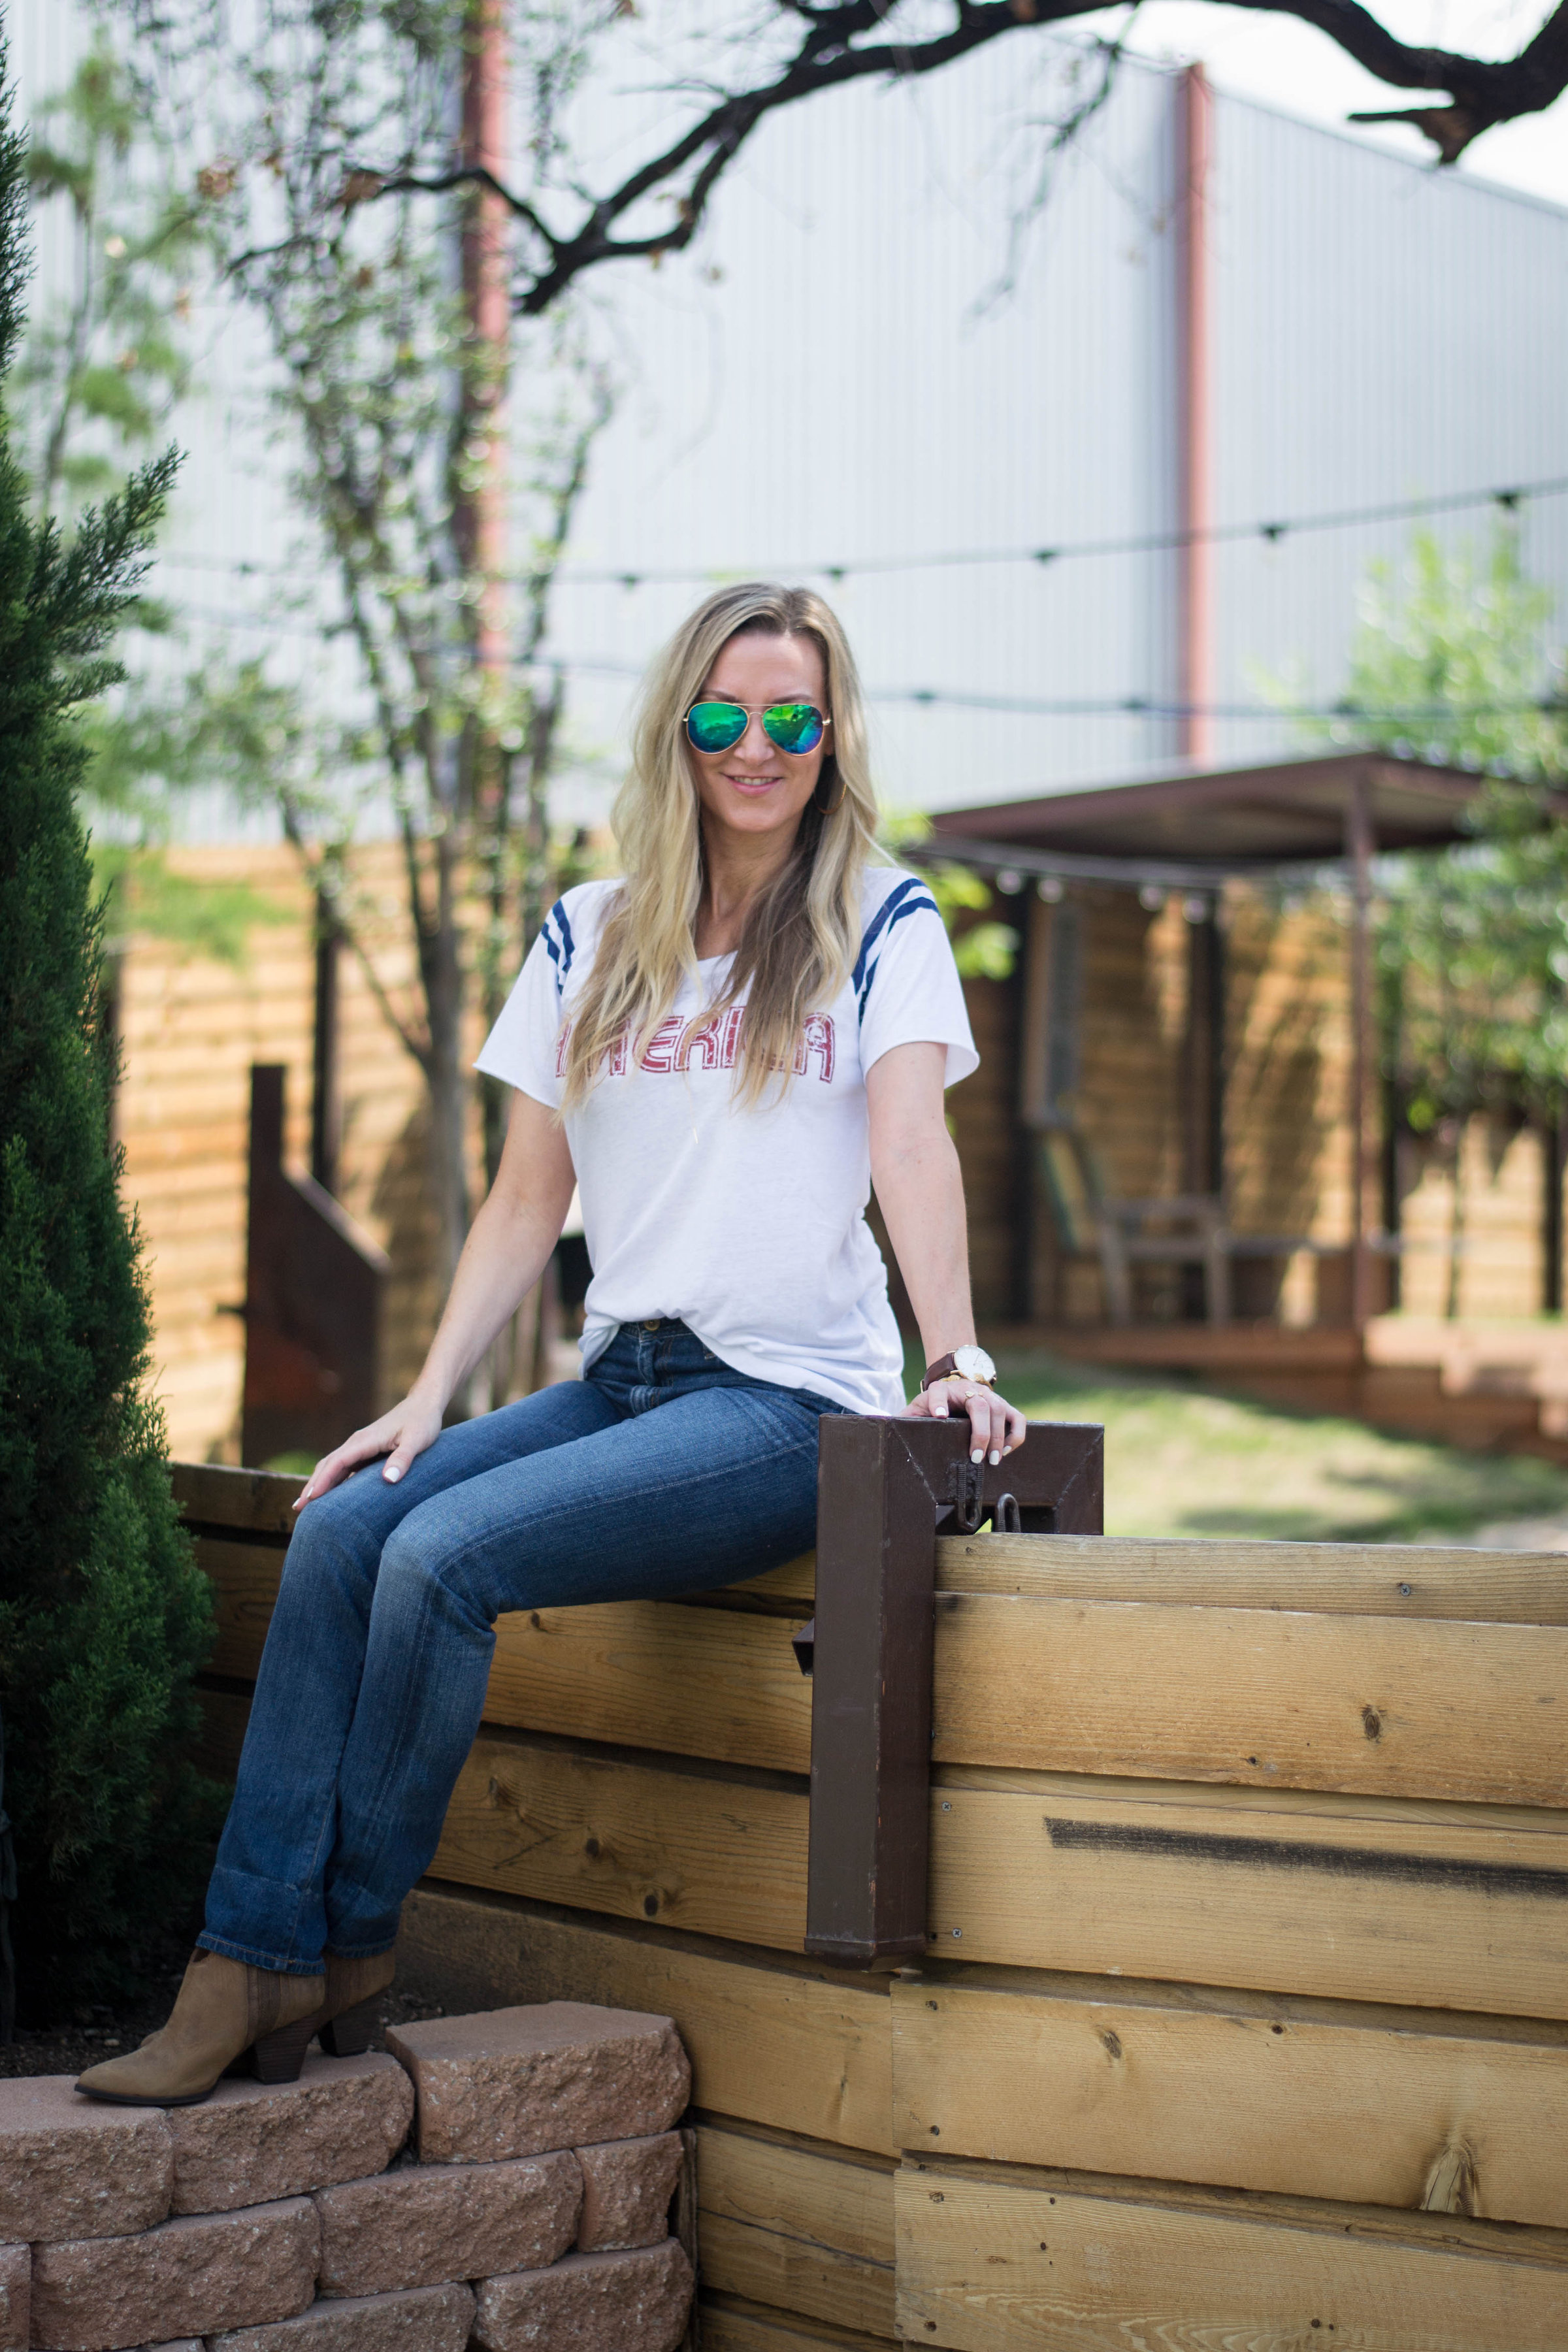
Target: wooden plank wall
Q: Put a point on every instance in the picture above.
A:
(190, 1028)
(990, 1150)
(1286, 1077)
(1245, 2020)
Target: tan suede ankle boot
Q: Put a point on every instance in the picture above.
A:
(223, 2009)
(349, 2014)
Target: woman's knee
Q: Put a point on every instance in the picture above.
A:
(423, 1574)
(335, 1536)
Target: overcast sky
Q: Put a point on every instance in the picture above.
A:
(1278, 58)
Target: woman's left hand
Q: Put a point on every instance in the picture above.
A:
(996, 1427)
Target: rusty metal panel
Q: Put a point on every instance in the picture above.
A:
(312, 1304)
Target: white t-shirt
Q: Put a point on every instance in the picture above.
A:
(748, 1224)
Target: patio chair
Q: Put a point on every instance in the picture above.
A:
(1093, 1222)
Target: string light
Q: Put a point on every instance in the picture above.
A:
(1125, 705)
(1272, 532)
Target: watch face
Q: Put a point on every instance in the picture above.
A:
(973, 1364)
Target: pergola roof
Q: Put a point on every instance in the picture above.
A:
(1194, 826)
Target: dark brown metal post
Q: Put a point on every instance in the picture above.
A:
(326, 1102)
(886, 1489)
(1359, 850)
(1553, 1158)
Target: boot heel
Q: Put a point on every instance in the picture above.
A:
(348, 2034)
(278, 2057)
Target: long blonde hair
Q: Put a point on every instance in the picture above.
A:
(803, 933)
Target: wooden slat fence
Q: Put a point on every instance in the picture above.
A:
(1240, 1871)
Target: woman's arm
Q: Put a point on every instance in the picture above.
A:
(920, 1189)
(505, 1254)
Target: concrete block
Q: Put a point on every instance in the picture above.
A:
(15, 2283)
(626, 2187)
(253, 2142)
(513, 2082)
(419, 2319)
(72, 2169)
(418, 2226)
(194, 2274)
(632, 2301)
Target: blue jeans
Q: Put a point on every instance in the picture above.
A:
(663, 1471)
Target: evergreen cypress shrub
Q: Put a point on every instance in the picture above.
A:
(104, 1616)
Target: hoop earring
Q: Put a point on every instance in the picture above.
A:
(825, 808)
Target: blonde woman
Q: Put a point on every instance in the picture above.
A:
(724, 1051)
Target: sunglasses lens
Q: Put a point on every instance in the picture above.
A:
(714, 726)
(795, 726)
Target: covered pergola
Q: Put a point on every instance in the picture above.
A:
(1192, 831)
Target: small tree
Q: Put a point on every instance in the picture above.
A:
(1450, 663)
(104, 1617)
(386, 393)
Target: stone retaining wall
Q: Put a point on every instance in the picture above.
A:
(528, 2205)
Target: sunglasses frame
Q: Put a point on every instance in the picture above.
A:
(748, 713)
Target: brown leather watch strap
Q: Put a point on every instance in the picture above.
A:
(945, 1368)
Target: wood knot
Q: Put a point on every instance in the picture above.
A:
(1372, 1722)
(1452, 2185)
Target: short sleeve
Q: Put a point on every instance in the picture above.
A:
(907, 987)
(523, 1048)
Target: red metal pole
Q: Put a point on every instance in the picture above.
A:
(1195, 148)
(481, 517)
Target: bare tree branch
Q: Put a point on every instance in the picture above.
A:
(849, 43)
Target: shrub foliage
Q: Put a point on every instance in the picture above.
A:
(104, 1617)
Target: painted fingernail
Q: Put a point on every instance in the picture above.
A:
(978, 1454)
(392, 1473)
(995, 1457)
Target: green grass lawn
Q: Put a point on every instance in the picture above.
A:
(1182, 1461)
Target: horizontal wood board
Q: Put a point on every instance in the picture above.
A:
(731, 2324)
(796, 2226)
(1528, 1588)
(990, 2261)
(259, 1502)
(719, 1683)
(713, 1854)
(788, 2044)
(1268, 1697)
(1373, 2106)
(1350, 1897)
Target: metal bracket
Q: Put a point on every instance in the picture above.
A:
(966, 1489)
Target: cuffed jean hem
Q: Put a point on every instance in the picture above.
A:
(253, 1958)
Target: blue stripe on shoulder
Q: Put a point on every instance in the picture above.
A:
(873, 930)
(561, 949)
(559, 912)
(918, 902)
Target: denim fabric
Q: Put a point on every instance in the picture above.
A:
(662, 1472)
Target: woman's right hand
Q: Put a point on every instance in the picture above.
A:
(400, 1434)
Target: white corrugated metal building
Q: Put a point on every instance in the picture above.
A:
(833, 376)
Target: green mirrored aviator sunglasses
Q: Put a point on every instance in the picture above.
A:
(795, 727)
